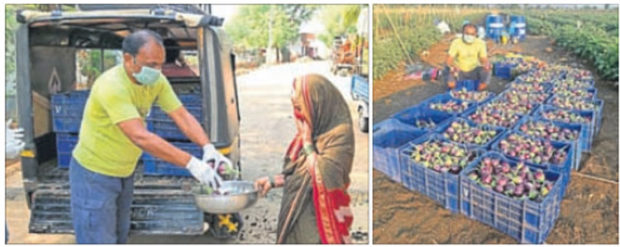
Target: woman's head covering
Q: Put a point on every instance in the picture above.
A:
(326, 112)
(321, 103)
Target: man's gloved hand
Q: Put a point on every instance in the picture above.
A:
(14, 143)
(204, 173)
(212, 156)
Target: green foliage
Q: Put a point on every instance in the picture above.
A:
(9, 49)
(339, 20)
(592, 44)
(266, 26)
(589, 34)
(385, 56)
(414, 24)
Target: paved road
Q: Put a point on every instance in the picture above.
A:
(266, 129)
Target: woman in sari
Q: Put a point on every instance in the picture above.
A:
(315, 176)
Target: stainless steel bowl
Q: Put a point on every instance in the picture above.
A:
(238, 196)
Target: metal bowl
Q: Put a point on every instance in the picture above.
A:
(239, 196)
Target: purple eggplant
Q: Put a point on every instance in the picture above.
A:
(499, 188)
(502, 180)
(487, 178)
(539, 176)
(455, 169)
(519, 190)
(505, 167)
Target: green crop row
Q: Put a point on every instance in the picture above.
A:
(593, 44)
(414, 25)
(594, 39)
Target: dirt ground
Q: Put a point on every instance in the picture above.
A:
(266, 129)
(589, 210)
(435, 56)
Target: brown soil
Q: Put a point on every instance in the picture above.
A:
(589, 210)
(434, 56)
(393, 81)
(588, 214)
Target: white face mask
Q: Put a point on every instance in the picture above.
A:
(468, 38)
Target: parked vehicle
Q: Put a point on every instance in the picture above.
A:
(47, 47)
(359, 92)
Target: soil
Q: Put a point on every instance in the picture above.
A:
(589, 210)
(435, 56)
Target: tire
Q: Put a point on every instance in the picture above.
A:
(362, 121)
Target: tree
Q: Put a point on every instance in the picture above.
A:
(339, 20)
(268, 26)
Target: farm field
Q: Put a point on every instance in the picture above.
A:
(589, 207)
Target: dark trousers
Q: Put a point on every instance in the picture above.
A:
(479, 74)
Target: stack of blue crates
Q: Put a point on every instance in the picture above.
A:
(67, 110)
(162, 125)
(526, 220)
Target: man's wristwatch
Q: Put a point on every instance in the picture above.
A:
(272, 182)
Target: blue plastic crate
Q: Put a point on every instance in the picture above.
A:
(535, 105)
(411, 115)
(441, 187)
(156, 167)
(157, 114)
(388, 136)
(67, 111)
(546, 94)
(525, 220)
(490, 97)
(597, 103)
(65, 143)
(561, 79)
(190, 99)
(442, 129)
(502, 98)
(587, 131)
(562, 168)
(442, 99)
(599, 117)
(162, 125)
(468, 117)
(503, 70)
(545, 86)
(598, 111)
(590, 90)
(574, 127)
(521, 78)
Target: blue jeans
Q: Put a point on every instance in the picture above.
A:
(100, 206)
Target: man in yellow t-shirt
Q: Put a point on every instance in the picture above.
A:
(467, 59)
(113, 136)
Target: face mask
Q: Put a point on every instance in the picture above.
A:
(147, 75)
(468, 38)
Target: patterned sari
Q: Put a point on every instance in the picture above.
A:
(315, 203)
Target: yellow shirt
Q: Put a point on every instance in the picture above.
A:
(103, 147)
(467, 56)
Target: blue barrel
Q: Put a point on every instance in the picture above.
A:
(494, 26)
(518, 21)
